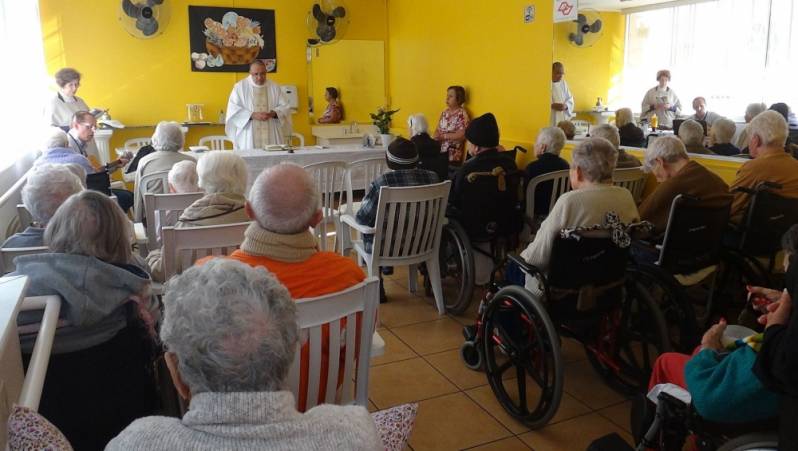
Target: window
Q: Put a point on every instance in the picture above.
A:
(732, 52)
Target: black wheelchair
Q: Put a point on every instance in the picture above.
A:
(586, 295)
(690, 254)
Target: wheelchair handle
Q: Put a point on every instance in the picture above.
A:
(525, 267)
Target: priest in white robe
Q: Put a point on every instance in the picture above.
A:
(562, 102)
(258, 113)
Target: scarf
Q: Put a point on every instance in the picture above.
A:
(285, 248)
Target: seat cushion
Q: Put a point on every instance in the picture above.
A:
(27, 429)
(394, 425)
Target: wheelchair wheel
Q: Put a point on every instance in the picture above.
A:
(522, 356)
(751, 442)
(471, 355)
(629, 340)
(680, 318)
(457, 268)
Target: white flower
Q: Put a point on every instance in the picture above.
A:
(194, 56)
(199, 64)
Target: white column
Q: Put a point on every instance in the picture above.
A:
(102, 137)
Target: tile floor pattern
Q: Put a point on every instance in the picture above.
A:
(457, 409)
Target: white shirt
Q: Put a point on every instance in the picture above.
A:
(656, 95)
(61, 108)
(561, 94)
(239, 125)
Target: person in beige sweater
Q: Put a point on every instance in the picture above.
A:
(593, 196)
(223, 177)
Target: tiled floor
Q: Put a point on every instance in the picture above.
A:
(457, 409)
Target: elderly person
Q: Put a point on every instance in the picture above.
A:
(235, 382)
(57, 151)
(720, 136)
(592, 197)
(768, 132)
(452, 124)
(662, 101)
(334, 113)
(631, 135)
(701, 113)
(562, 101)
(430, 156)
(223, 177)
(692, 135)
(99, 378)
(548, 146)
(65, 103)
(257, 110)
(167, 142)
(48, 186)
(668, 161)
(283, 205)
(751, 111)
(568, 128)
(611, 134)
(182, 178)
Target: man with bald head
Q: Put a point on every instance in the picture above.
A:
(258, 112)
(562, 102)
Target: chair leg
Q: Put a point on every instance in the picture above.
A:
(434, 272)
(412, 278)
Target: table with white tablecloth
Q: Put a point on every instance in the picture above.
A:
(257, 160)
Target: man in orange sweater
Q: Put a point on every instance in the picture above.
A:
(283, 204)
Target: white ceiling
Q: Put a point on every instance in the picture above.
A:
(618, 5)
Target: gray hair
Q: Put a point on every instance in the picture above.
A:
(221, 171)
(723, 130)
(623, 116)
(168, 136)
(183, 177)
(56, 138)
(417, 124)
(669, 148)
(78, 170)
(691, 133)
(608, 132)
(284, 198)
(232, 327)
(91, 223)
(66, 75)
(553, 138)
(47, 187)
(596, 157)
(753, 109)
(770, 127)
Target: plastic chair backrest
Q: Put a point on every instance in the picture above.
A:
(560, 183)
(768, 217)
(329, 177)
(633, 179)
(155, 182)
(370, 169)
(693, 236)
(25, 218)
(183, 246)
(299, 137)
(8, 254)
(314, 314)
(134, 144)
(216, 142)
(156, 207)
(408, 223)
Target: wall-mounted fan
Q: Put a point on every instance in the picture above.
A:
(327, 22)
(586, 29)
(144, 19)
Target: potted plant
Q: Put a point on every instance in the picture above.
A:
(382, 119)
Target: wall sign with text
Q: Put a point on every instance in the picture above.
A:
(565, 10)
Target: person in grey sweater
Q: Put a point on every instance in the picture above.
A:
(231, 334)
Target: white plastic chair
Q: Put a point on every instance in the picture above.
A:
(408, 232)
(561, 184)
(365, 171)
(157, 206)
(312, 315)
(155, 182)
(633, 179)
(329, 177)
(216, 142)
(299, 137)
(8, 254)
(183, 246)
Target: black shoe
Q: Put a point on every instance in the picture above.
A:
(387, 270)
(383, 299)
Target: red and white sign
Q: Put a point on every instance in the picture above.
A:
(565, 10)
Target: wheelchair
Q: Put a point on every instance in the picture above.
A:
(688, 256)
(586, 295)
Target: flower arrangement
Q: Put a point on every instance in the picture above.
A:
(234, 40)
(382, 119)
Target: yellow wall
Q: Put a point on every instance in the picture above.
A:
(145, 81)
(504, 64)
(593, 71)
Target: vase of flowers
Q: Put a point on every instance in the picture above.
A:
(382, 119)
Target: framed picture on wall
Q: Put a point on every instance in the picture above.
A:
(229, 39)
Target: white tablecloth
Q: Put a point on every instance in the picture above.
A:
(257, 160)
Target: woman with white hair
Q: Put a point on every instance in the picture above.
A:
(47, 187)
(692, 135)
(720, 135)
(430, 156)
(223, 177)
(235, 380)
(592, 197)
(57, 151)
(631, 135)
(167, 142)
(751, 111)
(548, 146)
(99, 376)
(611, 134)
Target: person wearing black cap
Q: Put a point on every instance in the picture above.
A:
(402, 158)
